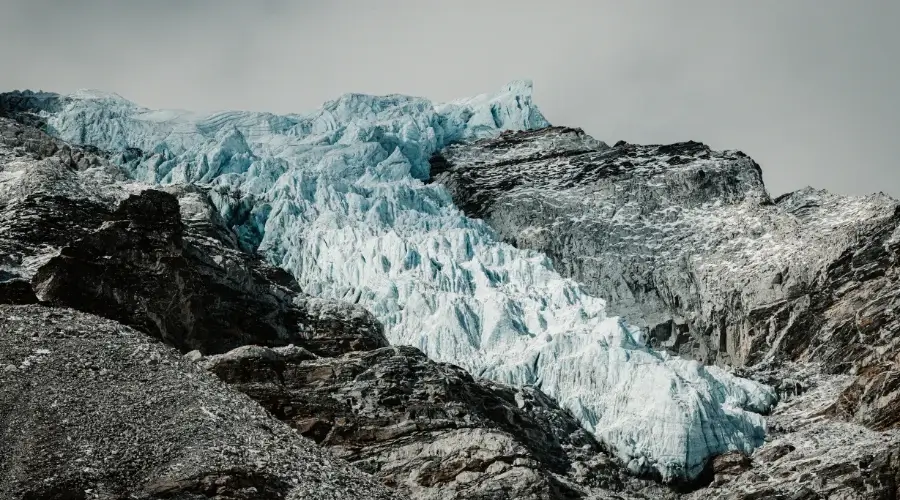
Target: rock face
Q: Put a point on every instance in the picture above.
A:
(872, 399)
(810, 455)
(23, 106)
(84, 239)
(426, 428)
(141, 266)
(686, 242)
(91, 409)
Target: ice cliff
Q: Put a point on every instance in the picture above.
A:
(336, 197)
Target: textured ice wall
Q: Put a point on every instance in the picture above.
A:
(335, 197)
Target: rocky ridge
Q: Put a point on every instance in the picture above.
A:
(93, 410)
(427, 428)
(688, 244)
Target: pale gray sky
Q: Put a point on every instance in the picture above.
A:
(809, 88)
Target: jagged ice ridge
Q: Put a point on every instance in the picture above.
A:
(336, 197)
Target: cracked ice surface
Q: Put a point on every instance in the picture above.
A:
(335, 197)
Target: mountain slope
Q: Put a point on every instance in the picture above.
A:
(427, 428)
(800, 292)
(92, 409)
(685, 241)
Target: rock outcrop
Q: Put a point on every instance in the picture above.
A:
(809, 454)
(162, 262)
(686, 242)
(426, 428)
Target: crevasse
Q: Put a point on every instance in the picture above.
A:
(336, 198)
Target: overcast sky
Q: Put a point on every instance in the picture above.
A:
(809, 88)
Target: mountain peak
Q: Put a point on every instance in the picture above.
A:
(524, 87)
(94, 94)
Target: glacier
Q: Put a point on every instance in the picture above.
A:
(339, 198)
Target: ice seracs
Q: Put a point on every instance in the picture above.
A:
(336, 198)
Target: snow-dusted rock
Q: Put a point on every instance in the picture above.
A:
(686, 243)
(809, 455)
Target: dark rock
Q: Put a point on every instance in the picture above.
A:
(773, 453)
(170, 269)
(731, 464)
(804, 493)
(142, 268)
(686, 243)
(424, 427)
(25, 106)
(17, 292)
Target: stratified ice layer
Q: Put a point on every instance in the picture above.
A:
(335, 197)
